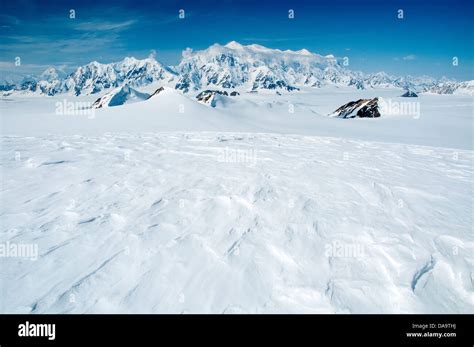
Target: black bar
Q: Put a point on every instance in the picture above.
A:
(377, 330)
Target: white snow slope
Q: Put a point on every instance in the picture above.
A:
(202, 211)
(120, 96)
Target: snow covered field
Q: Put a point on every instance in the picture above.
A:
(443, 120)
(246, 207)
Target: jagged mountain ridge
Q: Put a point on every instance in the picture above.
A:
(450, 87)
(257, 67)
(252, 67)
(95, 77)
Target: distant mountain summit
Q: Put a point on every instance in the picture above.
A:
(51, 74)
(450, 87)
(256, 67)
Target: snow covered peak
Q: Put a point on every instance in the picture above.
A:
(380, 80)
(234, 45)
(95, 77)
(233, 65)
(257, 67)
(457, 88)
(259, 49)
(131, 60)
(50, 74)
(93, 65)
(120, 96)
(304, 51)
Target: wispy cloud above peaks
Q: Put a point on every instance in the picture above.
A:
(409, 57)
(100, 25)
(109, 31)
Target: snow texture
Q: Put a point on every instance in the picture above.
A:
(262, 203)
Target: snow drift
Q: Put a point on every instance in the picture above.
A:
(235, 223)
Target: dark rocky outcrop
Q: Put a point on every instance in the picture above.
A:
(208, 96)
(409, 94)
(362, 108)
(156, 92)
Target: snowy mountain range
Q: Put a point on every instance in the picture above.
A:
(257, 67)
(450, 87)
(96, 77)
(252, 68)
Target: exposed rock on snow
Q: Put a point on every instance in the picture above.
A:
(156, 92)
(409, 94)
(208, 97)
(120, 96)
(362, 108)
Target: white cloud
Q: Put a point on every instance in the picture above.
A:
(152, 54)
(105, 26)
(409, 57)
(22, 44)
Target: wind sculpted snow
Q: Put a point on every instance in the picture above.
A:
(235, 222)
(262, 203)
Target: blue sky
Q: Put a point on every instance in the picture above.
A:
(370, 33)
